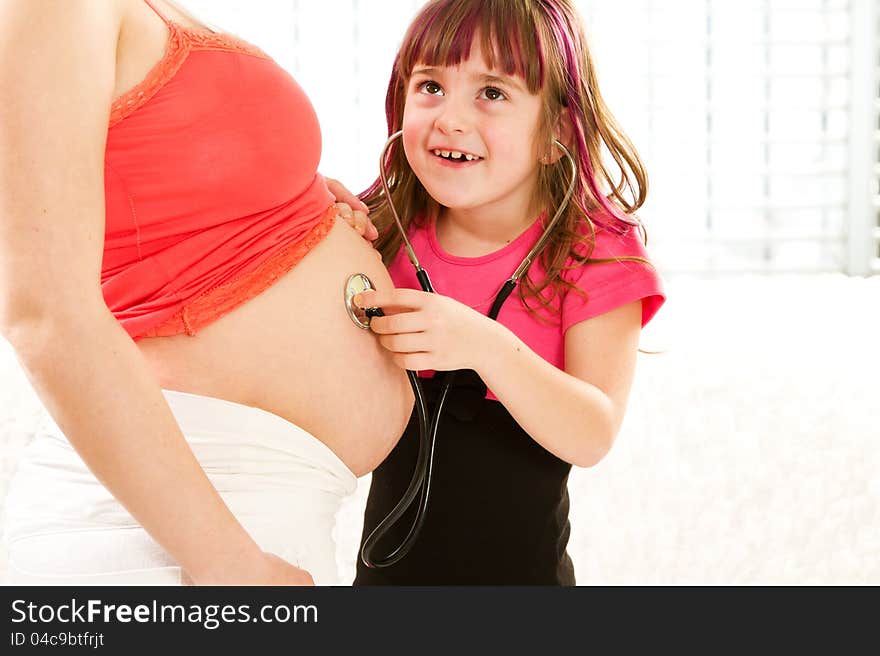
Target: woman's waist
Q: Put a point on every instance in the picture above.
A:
(240, 448)
(262, 469)
(293, 351)
(358, 416)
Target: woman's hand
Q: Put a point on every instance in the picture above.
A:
(358, 220)
(266, 569)
(280, 572)
(350, 208)
(429, 331)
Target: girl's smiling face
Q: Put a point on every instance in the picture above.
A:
(470, 135)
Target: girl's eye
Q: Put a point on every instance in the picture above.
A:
(491, 93)
(431, 88)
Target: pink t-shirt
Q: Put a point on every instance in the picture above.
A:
(475, 281)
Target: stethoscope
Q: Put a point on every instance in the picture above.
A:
(421, 481)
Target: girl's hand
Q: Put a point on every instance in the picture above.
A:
(350, 208)
(429, 331)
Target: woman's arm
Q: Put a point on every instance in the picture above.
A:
(57, 73)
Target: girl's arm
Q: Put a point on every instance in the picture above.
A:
(575, 414)
(57, 73)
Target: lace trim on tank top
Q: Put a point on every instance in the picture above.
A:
(181, 41)
(213, 304)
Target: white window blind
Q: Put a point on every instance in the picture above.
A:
(757, 120)
(866, 158)
(742, 111)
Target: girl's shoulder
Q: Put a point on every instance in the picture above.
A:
(610, 240)
(607, 252)
(618, 269)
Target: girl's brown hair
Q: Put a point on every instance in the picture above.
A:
(543, 42)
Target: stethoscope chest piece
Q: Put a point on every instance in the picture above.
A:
(357, 284)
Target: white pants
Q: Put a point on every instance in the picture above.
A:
(62, 527)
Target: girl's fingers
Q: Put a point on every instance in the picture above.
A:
(412, 361)
(395, 323)
(391, 298)
(404, 343)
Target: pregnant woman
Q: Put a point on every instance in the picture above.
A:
(171, 278)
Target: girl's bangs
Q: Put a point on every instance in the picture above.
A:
(444, 33)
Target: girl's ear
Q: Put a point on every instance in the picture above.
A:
(563, 133)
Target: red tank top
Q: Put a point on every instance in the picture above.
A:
(211, 184)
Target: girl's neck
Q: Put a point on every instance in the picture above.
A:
(474, 233)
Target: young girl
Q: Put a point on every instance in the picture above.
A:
(482, 89)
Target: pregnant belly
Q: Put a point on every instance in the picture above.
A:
(293, 351)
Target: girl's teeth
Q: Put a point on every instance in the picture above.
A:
(455, 155)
